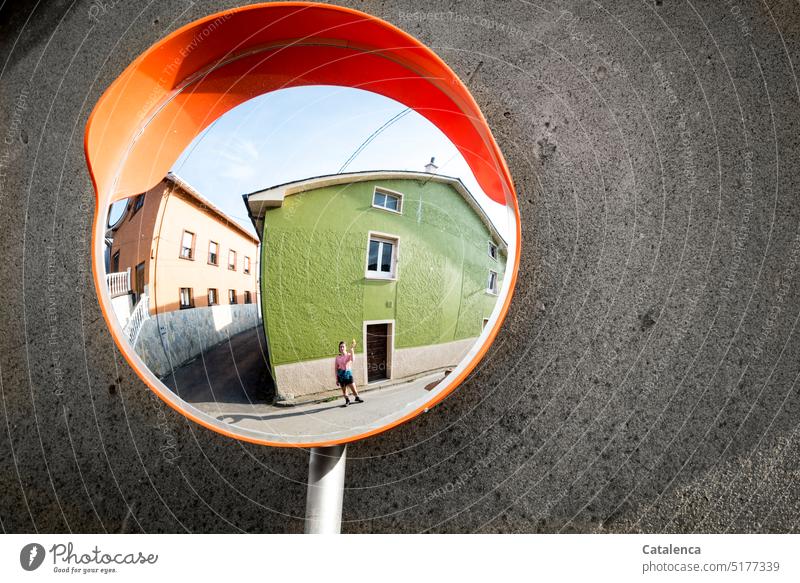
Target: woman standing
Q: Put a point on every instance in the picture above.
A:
(344, 372)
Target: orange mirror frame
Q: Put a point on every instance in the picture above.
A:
(183, 83)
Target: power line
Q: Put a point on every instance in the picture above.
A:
(372, 137)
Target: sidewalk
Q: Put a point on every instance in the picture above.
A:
(328, 420)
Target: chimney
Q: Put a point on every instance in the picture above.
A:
(430, 167)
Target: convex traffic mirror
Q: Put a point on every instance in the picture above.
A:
(305, 232)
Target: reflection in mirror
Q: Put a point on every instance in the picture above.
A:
(314, 266)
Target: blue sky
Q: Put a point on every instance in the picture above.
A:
(301, 132)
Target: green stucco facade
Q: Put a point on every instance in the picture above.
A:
(313, 269)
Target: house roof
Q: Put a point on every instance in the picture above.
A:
(207, 205)
(262, 200)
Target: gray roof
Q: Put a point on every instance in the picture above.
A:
(262, 200)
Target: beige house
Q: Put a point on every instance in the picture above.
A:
(171, 251)
(182, 250)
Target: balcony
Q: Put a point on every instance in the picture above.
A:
(119, 283)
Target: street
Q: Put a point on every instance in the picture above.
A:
(235, 371)
(228, 383)
(326, 420)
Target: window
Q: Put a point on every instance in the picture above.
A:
(115, 263)
(187, 245)
(187, 299)
(138, 203)
(247, 297)
(232, 260)
(381, 258)
(231, 296)
(491, 283)
(213, 250)
(387, 200)
(246, 264)
(213, 297)
(492, 250)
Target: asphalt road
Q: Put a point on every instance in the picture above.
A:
(644, 380)
(330, 418)
(235, 371)
(229, 382)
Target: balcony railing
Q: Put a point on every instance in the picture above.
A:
(119, 283)
(140, 313)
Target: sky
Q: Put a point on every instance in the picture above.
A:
(301, 132)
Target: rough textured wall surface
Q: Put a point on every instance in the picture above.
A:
(646, 376)
(314, 255)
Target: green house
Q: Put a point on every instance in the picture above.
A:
(406, 263)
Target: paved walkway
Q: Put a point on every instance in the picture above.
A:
(328, 419)
(228, 383)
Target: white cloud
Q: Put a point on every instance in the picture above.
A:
(238, 158)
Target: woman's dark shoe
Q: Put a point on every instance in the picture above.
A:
(359, 400)
(346, 401)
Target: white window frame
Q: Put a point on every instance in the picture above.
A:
(490, 290)
(385, 237)
(193, 243)
(493, 246)
(386, 191)
(191, 304)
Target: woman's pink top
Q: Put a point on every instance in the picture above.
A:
(343, 361)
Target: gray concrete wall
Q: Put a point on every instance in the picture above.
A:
(645, 379)
(171, 339)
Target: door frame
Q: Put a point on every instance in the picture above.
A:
(389, 349)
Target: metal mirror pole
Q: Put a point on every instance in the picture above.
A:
(325, 489)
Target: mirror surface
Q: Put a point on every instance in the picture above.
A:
(316, 265)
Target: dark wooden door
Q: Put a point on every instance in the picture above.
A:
(139, 281)
(377, 352)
